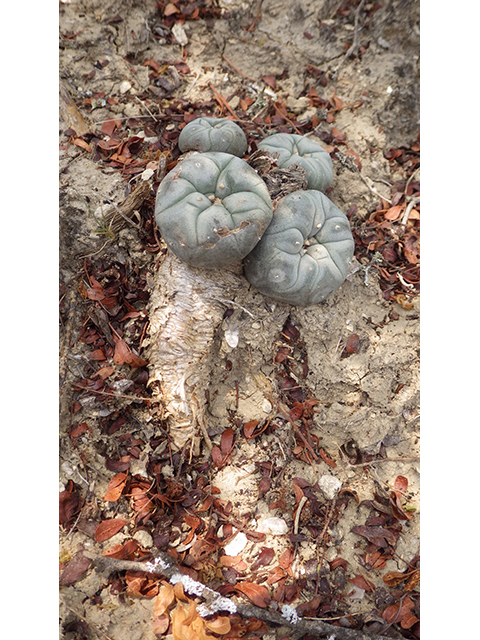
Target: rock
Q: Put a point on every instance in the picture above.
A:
(329, 486)
(274, 526)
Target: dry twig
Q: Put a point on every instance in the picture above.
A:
(214, 602)
(354, 47)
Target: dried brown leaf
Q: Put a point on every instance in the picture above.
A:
(115, 487)
(264, 485)
(270, 80)
(276, 574)
(220, 625)
(226, 441)
(108, 528)
(161, 623)
(78, 142)
(286, 559)
(376, 535)
(105, 372)
(392, 578)
(170, 9)
(264, 558)
(394, 213)
(258, 594)
(362, 583)
(249, 428)
(401, 484)
(401, 613)
(217, 457)
(351, 345)
(109, 126)
(124, 355)
(78, 430)
(77, 566)
(70, 503)
(326, 458)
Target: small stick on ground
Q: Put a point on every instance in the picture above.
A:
(146, 108)
(164, 565)
(354, 47)
(367, 464)
(221, 100)
(237, 69)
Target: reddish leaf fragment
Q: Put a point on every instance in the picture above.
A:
(129, 550)
(118, 465)
(297, 490)
(115, 487)
(379, 536)
(337, 105)
(402, 613)
(79, 430)
(97, 354)
(340, 136)
(160, 624)
(375, 560)
(230, 561)
(109, 126)
(217, 457)
(411, 249)
(153, 64)
(296, 411)
(401, 484)
(95, 291)
(264, 486)
(270, 80)
(226, 441)
(109, 145)
(108, 528)
(327, 459)
(77, 566)
(255, 536)
(70, 503)
(140, 586)
(309, 608)
(192, 521)
(264, 558)
(338, 562)
(249, 428)
(170, 9)
(392, 578)
(124, 355)
(351, 346)
(258, 594)
(394, 212)
(397, 508)
(286, 559)
(199, 551)
(362, 583)
(105, 372)
(275, 575)
(78, 142)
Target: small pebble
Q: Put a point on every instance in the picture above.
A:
(329, 486)
(273, 526)
(125, 86)
(144, 538)
(237, 545)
